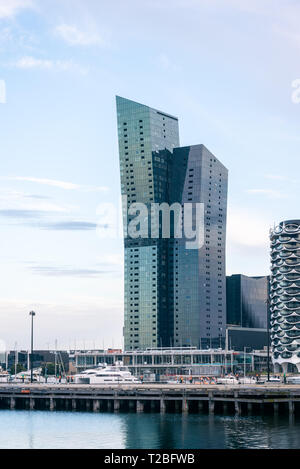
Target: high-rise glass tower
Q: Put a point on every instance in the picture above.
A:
(174, 296)
(197, 276)
(142, 133)
(285, 293)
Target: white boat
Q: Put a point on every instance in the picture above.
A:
(25, 376)
(106, 374)
(228, 380)
(4, 377)
(247, 380)
(293, 379)
(273, 379)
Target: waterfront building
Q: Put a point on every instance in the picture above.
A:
(246, 338)
(40, 358)
(285, 294)
(163, 363)
(247, 301)
(174, 296)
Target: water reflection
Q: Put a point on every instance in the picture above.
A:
(25, 429)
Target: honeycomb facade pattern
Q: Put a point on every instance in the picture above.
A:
(285, 293)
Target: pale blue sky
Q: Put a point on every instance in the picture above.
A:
(224, 67)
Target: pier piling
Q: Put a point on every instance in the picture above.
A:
(96, 405)
(185, 406)
(211, 407)
(211, 403)
(116, 405)
(154, 397)
(131, 405)
(162, 406)
(139, 406)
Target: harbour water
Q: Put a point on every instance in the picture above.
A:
(42, 429)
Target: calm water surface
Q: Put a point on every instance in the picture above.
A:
(41, 429)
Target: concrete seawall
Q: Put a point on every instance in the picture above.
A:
(153, 398)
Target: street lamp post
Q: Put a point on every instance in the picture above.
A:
(32, 314)
(245, 358)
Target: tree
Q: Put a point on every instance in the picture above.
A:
(48, 369)
(19, 369)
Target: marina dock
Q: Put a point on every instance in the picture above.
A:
(215, 399)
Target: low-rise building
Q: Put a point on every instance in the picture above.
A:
(164, 363)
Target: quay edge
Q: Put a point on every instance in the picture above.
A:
(214, 399)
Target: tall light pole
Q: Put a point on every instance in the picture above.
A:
(245, 357)
(32, 314)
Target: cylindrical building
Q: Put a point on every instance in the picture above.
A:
(285, 293)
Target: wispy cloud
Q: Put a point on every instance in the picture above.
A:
(36, 196)
(22, 200)
(20, 214)
(69, 225)
(9, 8)
(280, 177)
(270, 193)
(37, 211)
(48, 182)
(16, 200)
(44, 220)
(275, 177)
(29, 63)
(73, 36)
(68, 271)
(59, 184)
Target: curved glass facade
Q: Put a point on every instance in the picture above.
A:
(285, 293)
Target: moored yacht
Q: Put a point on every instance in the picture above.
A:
(106, 374)
(293, 380)
(4, 377)
(25, 376)
(231, 379)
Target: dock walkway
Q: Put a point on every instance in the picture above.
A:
(147, 397)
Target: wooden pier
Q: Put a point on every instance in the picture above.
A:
(216, 399)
